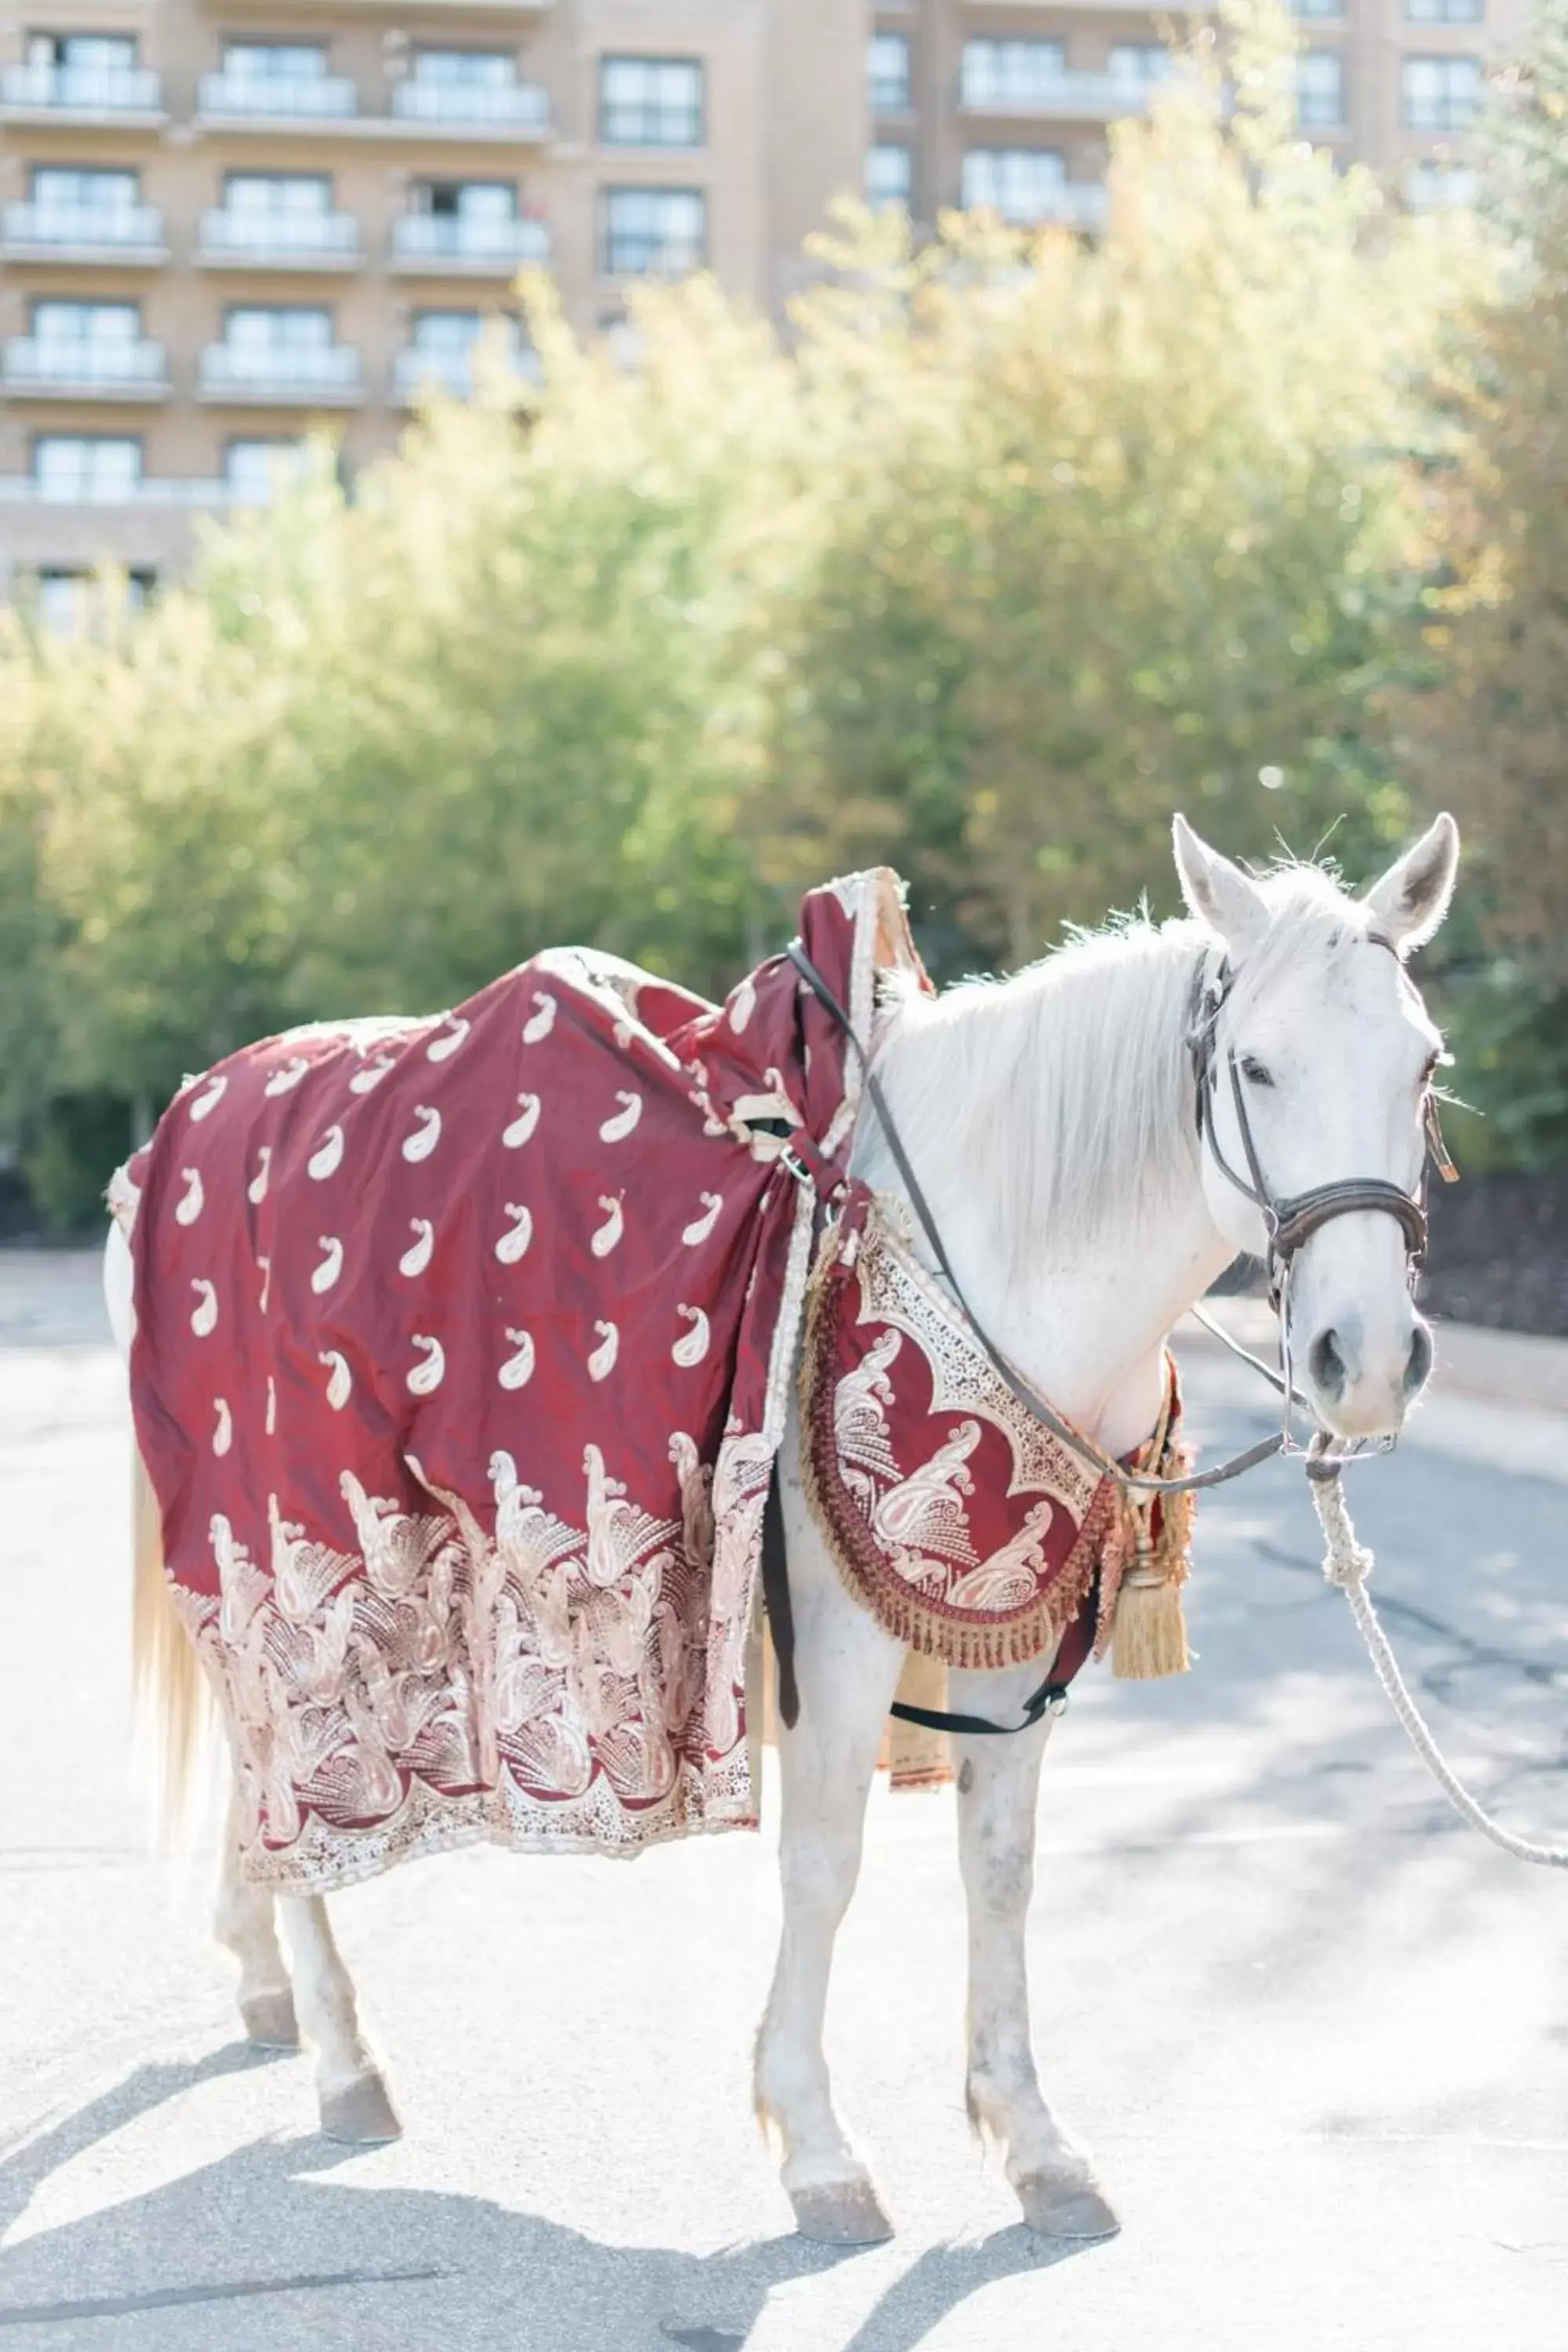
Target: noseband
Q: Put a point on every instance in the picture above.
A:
(1292, 1219)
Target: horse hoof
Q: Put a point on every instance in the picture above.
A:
(361, 2112)
(1057, 2205)
(269, 2021)
(845, 2213)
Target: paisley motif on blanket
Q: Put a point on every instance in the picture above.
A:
(462, 1355)
(964, 1525)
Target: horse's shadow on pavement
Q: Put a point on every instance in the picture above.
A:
(263, 2251)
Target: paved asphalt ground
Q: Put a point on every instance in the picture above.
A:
(1316, 2033)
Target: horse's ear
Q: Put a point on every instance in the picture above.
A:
(1412, 899)
(1216, 891)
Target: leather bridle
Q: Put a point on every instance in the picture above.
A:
(1290, 1221)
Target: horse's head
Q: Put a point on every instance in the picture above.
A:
(1316, 1076)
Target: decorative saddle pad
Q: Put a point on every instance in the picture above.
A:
(461, 1358)
(964, 1525)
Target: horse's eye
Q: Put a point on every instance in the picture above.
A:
(1253, 1071)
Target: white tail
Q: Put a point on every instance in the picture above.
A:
(175, 1717)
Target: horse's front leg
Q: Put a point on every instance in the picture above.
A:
(353, 2099)
(998, 1781)
(846, 1669)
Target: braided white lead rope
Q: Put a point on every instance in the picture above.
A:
(1348, 1564)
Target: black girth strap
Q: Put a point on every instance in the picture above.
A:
(1049, 1699)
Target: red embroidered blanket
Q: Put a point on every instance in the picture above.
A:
(461, 1364)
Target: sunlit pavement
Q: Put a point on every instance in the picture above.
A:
(1316, 2033)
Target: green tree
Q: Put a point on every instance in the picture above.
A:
(1112, 526)
(1490, 731)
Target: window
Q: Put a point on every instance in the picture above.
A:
(1141, 62)
(650, 101)
(1435, 187)
(86, 469)
(277, 197)
(96, 53)
(57, 189)
(1319, 79)
(86, 326)
(1019, 183)
(1011, 73)
(887, 73)
(1444, 12)
(68, 604)
(253, 470)
(264, 330)
(1440, 93)
(447, 334)
(654, 231)
(471, 200)
(1319, 7)
(888, 176)
(270, 61)
(464, 69)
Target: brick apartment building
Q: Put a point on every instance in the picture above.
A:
(224, 220)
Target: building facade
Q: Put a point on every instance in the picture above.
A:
(223, 221)
(1009, 103)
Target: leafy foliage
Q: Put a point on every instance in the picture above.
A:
(1019, 545)
(1492, 725)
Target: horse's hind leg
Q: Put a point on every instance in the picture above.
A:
(998, 1781)
(354, 2102)
(847, 1669)
(244, 1922)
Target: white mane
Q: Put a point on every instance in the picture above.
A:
(1069, 1083)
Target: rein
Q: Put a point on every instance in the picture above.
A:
(1290, 1223)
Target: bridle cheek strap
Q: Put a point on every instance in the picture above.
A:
(1290, 1222)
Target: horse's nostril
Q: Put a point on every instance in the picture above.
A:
(1326, 1363)
(1420, 1362)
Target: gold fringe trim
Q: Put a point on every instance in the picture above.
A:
(900, 1611)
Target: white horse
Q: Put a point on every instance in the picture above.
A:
(1050, 1120)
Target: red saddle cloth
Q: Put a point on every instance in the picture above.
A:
(461, 1358)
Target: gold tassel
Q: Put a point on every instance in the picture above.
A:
(1150, 1636)
(1149, 1633)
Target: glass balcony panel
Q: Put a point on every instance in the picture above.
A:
(469, 236)
(82, 88)
(255, 365)
(117, 227)
(516, 105)
(291, 232)
(278, 97)
(101, 363)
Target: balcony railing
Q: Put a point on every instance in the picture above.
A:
(506, 106)
(126, 232)
(1074, 203)
(276, 98)
(138, 369)
(415, 373)
(1065, 97)
(465, 240)
(313, 373)
(25, 490)
(317, 240)
(80, 89)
